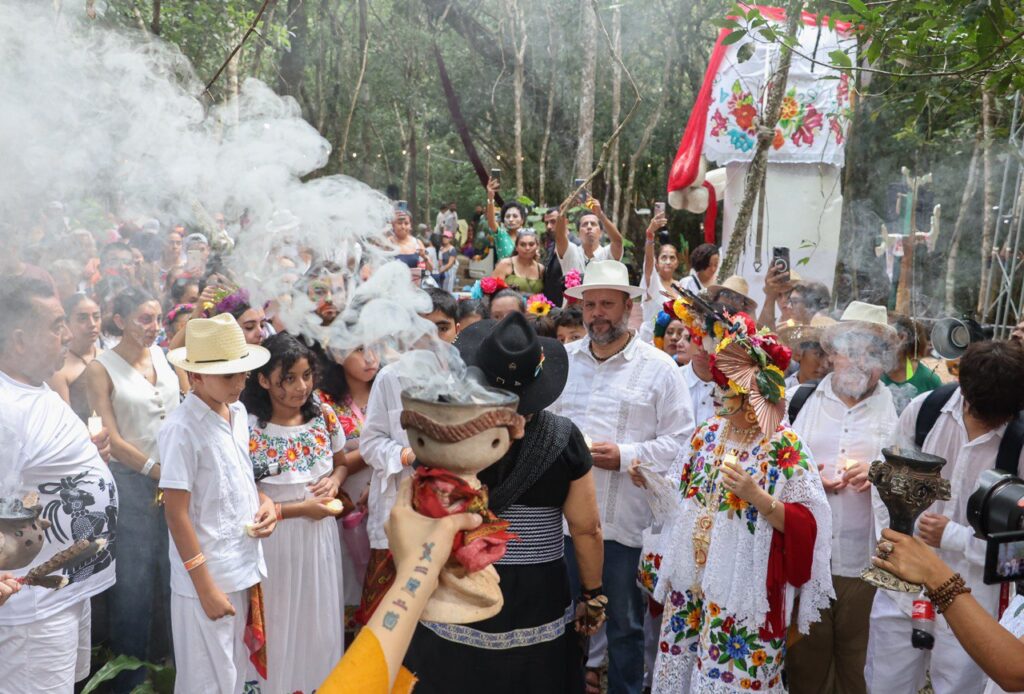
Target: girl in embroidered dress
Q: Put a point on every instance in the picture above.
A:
(754, 524)
(345, 387)
(296, 445)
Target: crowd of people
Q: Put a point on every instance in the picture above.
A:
(690, 498)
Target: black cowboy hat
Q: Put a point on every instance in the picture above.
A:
(511, 357)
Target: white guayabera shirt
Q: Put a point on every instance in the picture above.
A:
(837, 433)
(638, 400)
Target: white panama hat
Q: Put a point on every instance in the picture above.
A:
(605, 274)
(217, 347)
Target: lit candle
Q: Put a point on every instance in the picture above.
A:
(95, 424)
(590, 442)
(729, 459)
(850, 462)
(791, 323)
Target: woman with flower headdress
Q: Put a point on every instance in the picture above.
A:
(753, 525)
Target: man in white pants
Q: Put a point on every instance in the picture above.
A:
(44, 634)
(630, 399)
(967, 433)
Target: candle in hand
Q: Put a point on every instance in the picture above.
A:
(95, 424)
(729, 459)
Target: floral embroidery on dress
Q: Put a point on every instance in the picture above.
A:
(299, 453)
(343, 414)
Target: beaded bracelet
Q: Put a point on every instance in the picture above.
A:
(943, 596)
(195, 562)
(278, 514)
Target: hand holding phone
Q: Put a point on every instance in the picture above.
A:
(780, 261)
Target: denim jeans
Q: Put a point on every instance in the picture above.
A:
(139, 603)
(625, 612)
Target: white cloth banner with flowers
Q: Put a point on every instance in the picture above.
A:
(815, 111)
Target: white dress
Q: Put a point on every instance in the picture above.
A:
(1013, 622)
(303, 591)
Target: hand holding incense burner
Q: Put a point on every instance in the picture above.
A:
(452, 442)
(22, 531)
(908, 482)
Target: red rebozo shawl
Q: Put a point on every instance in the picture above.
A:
(789, 562)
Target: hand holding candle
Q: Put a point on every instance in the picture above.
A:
(855, 474)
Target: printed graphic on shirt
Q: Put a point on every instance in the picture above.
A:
(75, 514)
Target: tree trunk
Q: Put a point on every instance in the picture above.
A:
(293, 61)
(455, 110)
(588, 77)
(613, 190)
(989, 198)
(518, 33)
(233, 82)
(766, 131)
(645, 138)
(411, 190)
(954, 241)
(552, 81)
(154, 25)
(364, 40)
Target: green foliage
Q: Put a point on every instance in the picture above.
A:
(160, 680)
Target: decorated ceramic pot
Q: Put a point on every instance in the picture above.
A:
(22, 531)
(462, 439)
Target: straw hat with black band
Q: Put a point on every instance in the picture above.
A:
(734, 293)
(605, 274)
(863, 318)
(795, 334)
(217, 347)
(511, 356)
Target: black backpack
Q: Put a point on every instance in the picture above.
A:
(1009, 448)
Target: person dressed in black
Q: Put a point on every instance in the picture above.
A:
(537, 643)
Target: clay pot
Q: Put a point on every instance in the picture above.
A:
(22, 534)
(462, 438)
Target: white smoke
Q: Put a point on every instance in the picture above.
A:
(101, 118)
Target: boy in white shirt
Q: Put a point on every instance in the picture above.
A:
(214, 513)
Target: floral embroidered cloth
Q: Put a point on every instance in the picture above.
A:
(719, 632)
(815, 111)
(294, 455)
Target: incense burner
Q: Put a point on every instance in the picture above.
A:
(22, 531)
(908, 482)
(461, 439)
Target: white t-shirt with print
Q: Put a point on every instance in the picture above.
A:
(76, 490)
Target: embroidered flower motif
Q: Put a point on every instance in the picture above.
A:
(779, 140)
(736, 647)
(790, 108)
(678, 599)
(744, 114)
(348, 424)
(741, 141)
(758, 657)
(693, 619)
(663, 646)
(728, 677)
(713, 652)
(745, 683)
(755, 686)
(292, 455)
(271, 452)
(676, 650)
(788, 457)
(714, 610)
(254, 444)
(719, 123)
(731, 502)
(714, 673)
(728, 624)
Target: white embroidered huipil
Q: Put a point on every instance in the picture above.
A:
(837, 433)
(965, 461)
(638, 400)
(381, 443)
(702, 394)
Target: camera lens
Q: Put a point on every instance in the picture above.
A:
(997, 505)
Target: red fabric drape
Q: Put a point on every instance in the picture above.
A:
(711, 215)
(789, 562)
(687, 161)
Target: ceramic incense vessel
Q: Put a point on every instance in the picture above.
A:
(908, 482)
(463, 439)
(22, 531)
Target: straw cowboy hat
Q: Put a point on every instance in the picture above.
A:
(795, 334)
(862, 317)
(512, 357)
(605, 274)
(216, 347)
(720, 294)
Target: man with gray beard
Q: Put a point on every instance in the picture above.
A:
(631, 403)
(846, 422)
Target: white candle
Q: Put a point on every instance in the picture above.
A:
(95, 424)
(729, 459)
